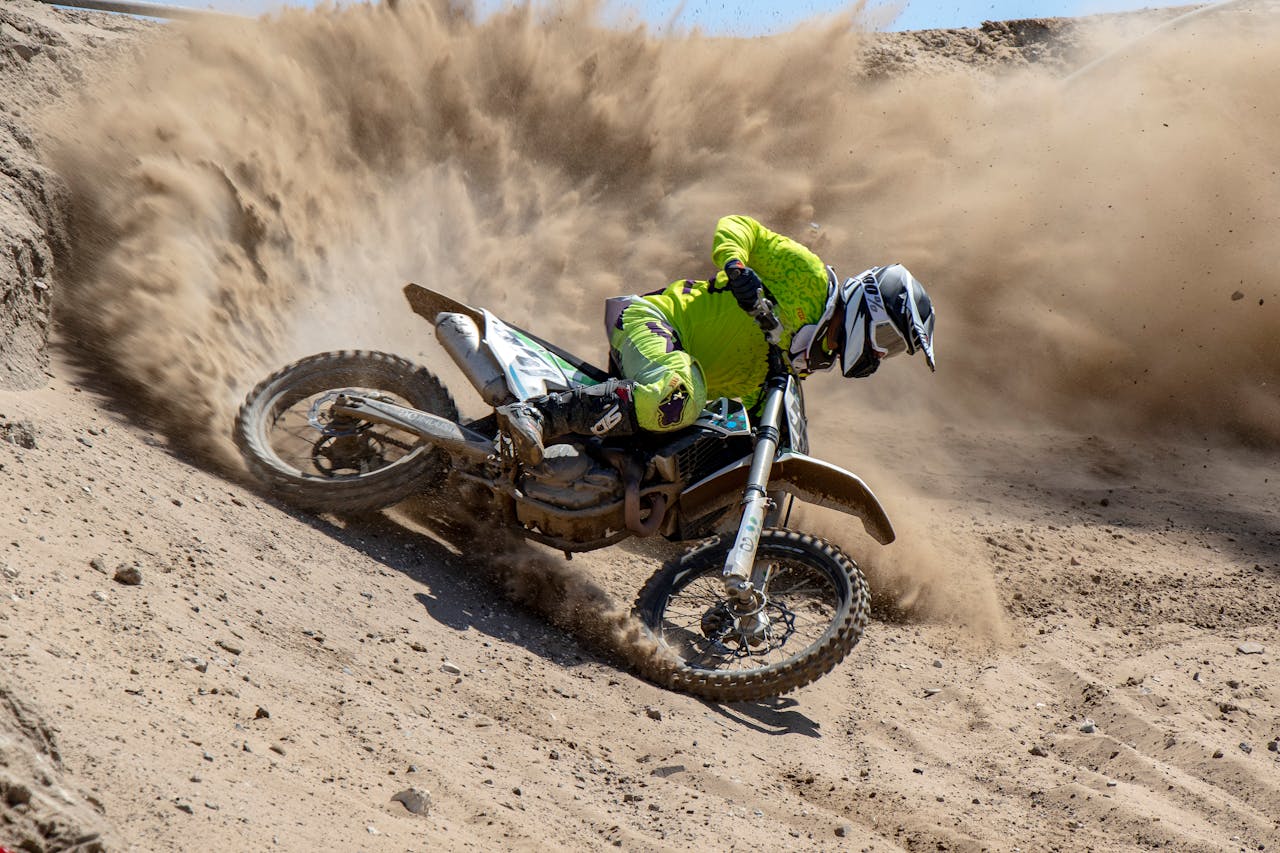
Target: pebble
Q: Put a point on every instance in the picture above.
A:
(128, 574)
(844, 830)
(1274, 746)
(262, 714)
(99, 595)
(20, 433)
(1250, 648)
(185, 807)
(1088, 727)
(653, 713)
(669, 770)
(277, 749)
(937, 664)
(230, 648)
(86, 442)
(416, 800)
(1217, 753)
(931, 691)
(451, 668)
(1039, 751)
(11, 573)
(98, 565)
(1245, 748)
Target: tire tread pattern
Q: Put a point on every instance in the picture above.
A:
(766, 682)
(381, 488)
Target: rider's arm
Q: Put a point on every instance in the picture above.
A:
(735, 238)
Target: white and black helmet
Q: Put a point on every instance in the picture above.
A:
(886, 312)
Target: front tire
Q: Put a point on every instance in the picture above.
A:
(818, 604)
(319, 462)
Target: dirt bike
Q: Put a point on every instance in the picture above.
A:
(752, 611)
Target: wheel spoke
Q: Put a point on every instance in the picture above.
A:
(307, 439)
(801, 601)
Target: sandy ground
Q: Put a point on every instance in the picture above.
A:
(189, 665)
(275, 680)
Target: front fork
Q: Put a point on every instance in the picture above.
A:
(744, 581)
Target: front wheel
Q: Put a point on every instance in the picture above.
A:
(815, 609)
(296, 445)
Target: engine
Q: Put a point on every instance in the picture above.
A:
(571, 479)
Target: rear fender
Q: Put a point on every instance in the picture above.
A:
(810, 480)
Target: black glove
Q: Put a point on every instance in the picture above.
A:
(744, 283)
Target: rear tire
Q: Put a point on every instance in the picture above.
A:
(264, 432)
(813, 584)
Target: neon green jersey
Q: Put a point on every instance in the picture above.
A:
(722, 338)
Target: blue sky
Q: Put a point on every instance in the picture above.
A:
(763, 16)
(723, 17)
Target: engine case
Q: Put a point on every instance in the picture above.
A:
(572, 497)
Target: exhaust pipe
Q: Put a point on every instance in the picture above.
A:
(460, 337)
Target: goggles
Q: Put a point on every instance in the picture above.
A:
(885, 338)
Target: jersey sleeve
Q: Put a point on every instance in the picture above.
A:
(736, 237)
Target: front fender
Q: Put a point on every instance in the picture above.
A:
(811, 480)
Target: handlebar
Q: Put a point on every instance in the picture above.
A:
(762, 313)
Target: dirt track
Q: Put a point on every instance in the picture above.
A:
(1065, 654)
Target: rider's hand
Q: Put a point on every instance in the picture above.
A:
(744, 283)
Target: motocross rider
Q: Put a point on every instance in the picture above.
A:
(697, 340)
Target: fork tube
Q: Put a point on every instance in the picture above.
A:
(755, 498)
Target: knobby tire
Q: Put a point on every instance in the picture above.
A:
(842, 634)
(420, 470)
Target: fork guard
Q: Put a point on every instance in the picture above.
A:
(811, 480)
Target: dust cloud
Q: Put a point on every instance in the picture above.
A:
(1100, 253)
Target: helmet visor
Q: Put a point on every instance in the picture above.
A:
(920, 336)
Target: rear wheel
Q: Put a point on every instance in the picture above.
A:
(815, 610)
(317, 460)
